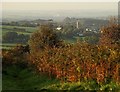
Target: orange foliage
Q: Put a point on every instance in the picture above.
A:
(78, 62)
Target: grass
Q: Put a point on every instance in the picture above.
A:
(7, 45)
(82, 86)
(25, 33)
(16, 78)
(29, 30)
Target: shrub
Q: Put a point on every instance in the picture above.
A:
(42, 38)
(110, 34)
(16, 56)
(78, 62)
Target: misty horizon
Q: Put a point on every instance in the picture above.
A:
(58, 10)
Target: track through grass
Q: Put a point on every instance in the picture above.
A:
(16, 78)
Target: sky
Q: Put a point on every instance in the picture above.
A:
(59, 9)
(60, 0)
(59, 6)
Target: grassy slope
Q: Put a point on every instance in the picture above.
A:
(28, 29)
(24, 79)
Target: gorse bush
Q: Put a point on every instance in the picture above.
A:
(79, 61)
(110, 34)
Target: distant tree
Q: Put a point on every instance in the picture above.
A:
(9, 36)
(110, 34)
(42, 38)
(13, 37)
(22, 38)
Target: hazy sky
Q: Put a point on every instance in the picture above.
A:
(84, 9)
(59, 6)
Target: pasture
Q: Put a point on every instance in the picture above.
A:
(28, 30)
(4, 29)
(8, 45)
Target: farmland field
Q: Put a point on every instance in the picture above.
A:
(28, 30)
(8, 45)
(4, 29)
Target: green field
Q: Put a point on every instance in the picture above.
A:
(8, 45)
(29, 29)
(5, 29)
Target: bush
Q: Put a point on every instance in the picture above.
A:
(72, 63)
(13, 37)
(110, 34)
(43, 38)
(16, 56)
